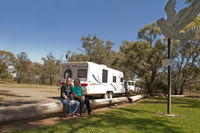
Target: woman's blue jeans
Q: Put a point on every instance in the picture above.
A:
(70, 108)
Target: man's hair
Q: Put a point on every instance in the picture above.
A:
(69, 81)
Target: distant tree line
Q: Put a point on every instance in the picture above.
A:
(22, 70)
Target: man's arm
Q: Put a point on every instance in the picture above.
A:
(64, 96)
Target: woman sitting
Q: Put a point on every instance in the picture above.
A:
(78, 95)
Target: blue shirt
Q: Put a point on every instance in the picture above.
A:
(77, 90)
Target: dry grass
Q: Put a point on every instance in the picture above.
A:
(7, 84)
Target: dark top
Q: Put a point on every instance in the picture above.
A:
(67, 90)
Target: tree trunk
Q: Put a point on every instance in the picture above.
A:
(19, 80)
(182, 88)
(51, 81)
(146, 86)
(176, 90)
(181, 91)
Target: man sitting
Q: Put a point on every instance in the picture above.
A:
(67, 98)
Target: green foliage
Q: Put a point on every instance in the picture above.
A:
(144, 117)
(187, 61)
(6, 76)
(186, 65)
(149, 33)
(22, 67)
(50, 70)
(95, 50)
(7, 59)
(36, 71)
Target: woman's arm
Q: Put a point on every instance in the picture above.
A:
(79, 97)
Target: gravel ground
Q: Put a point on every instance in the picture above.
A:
(15, 97)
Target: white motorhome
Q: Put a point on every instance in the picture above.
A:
(95, 79)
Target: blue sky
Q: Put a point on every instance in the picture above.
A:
(42, 26)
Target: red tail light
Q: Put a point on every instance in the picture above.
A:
(84, 85)
(62, 83)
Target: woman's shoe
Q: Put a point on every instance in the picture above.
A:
(89, 113)
(82, 115)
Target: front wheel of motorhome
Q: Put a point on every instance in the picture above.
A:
(131, 92)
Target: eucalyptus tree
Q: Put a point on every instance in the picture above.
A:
(95, 50)
(51, 68)
(22, 67)
(35, 73)
(7, 60)
(187, 60)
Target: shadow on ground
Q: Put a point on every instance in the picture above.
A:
(7, 93)
(181, 102)
(16, 102)
(55, 97)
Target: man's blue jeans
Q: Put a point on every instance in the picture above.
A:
(70, 108)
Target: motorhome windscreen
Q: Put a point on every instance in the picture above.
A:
(130, 83)
(82, 73)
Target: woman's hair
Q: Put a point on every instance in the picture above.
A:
(78, 81)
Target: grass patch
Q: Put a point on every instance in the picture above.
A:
(6, 84)
(144, 117)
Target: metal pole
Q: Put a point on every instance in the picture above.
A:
(169, 78)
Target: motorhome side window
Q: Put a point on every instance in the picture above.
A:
(114, 79)
(121, 79)
(105, 76)
(82, 73)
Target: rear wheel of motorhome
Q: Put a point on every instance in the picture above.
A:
(110, 95)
